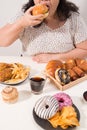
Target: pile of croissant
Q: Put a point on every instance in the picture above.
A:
(67, 71)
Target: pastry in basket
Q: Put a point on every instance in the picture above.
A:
(70, 63)
(82, 64)
(52, 66)
(9, 94)
(62, 76)
(78, 71)
(73, 75)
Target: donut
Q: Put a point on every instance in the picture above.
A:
(46, 107)
(62, 76)
(9, 94)
(63, 99)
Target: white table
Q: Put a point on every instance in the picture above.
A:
(19, 116)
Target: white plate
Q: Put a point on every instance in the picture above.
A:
(14, 81)
(20, 74)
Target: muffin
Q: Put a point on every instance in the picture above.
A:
(9, 94)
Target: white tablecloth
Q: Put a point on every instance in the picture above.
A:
(19, 116)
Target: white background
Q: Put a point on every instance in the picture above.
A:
(8, 9)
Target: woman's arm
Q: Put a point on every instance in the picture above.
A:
(79, 52)
(10, 32)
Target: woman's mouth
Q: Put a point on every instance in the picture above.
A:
(47, 4)
(48, 7)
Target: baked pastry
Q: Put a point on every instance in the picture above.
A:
(82, 64)
(73, 75)
(9, 94)
(78, 71)
(40, 9)
(70, 64)
(62, 76)
(52, 66)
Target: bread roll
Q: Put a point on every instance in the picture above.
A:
(52, 66)
(70, 64)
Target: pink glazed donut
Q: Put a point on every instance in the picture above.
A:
(63, 99)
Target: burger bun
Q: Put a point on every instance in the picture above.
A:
(40, 9)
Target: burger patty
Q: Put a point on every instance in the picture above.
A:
(5, 74)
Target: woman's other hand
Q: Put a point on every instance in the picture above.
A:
(45, 57)
(29, 20)
(79, 52)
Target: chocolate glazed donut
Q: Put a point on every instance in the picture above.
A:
(62, 76)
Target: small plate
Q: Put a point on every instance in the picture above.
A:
(47, 126)
(20, 73)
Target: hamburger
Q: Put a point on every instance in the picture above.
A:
(40, 9)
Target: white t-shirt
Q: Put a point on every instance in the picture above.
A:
(46, 40)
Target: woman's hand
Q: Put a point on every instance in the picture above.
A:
(79, 52)
(29, 20)
(45, 57)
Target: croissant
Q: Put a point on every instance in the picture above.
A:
(52, 66)
(70, 64)
(82, 64)
(73, 75)
(78, 71)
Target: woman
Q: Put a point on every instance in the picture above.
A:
(62, 35)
